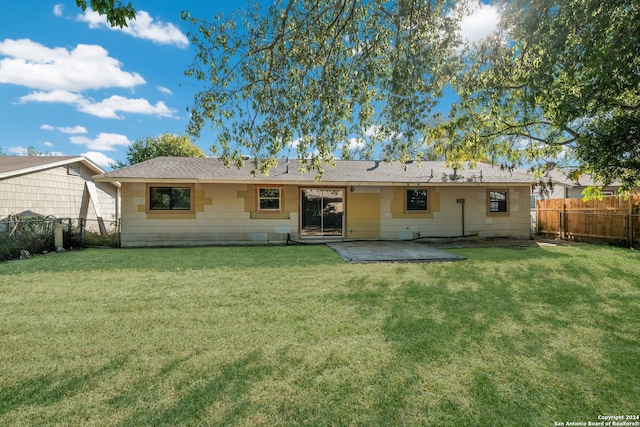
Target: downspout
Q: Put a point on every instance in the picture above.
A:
(118, 219)
(461, 201)
(462, 219)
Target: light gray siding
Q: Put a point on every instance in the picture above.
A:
(57, 192)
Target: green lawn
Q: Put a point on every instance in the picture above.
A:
(293, 336)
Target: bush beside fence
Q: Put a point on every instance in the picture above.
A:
(19, 236)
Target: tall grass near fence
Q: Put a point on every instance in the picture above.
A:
(20, 237)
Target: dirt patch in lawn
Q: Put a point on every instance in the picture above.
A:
(495, 242)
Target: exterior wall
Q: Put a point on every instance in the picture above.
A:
(444, 218)
(58, 193)
(559, 192)
(563, 192)
(576, 193)
(227, 213)
(363, 213)
(223, 213)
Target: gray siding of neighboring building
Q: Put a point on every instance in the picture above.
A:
(59, 191)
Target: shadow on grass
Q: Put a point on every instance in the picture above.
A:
(227, 391)
(511, 330)
(176, 259)
(50, 389)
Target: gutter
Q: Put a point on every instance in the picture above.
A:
(309, 182)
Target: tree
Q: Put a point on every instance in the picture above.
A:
(116, 12)
(561, 76)
(315, 75)
(163, 145)
(33, 151)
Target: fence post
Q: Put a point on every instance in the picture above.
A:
(565, 232)
(560, 233)
(58, 241)
(537, 217)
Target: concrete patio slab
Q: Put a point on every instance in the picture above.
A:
(381, 251)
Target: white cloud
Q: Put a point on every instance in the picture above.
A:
(480, 23)
(295, 143)
(373, 130)
(66, 129)
(47, 144)
(73, 130)
(33, 65)
(57, 9)
(356, 144)
(99, 158)
(108, 108)
(142, 27)
(103, 142)
(165, 90)
(22, 151)
(19, 150)
(60, 96)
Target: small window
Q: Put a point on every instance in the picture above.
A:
(170, 198)
(73, 170)
(497, 201)
(416, 200)
(269, 199)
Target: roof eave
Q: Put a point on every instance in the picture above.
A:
(305, 182)
(88, 163)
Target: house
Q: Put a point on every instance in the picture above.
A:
(171, 201)
(59, 186)
(558, 185)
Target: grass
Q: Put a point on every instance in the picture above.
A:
(292, 335)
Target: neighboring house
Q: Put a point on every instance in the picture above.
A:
(562, 187)
(59, 186)
(584, 181)
(171, 201)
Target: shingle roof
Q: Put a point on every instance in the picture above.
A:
(188, 169)
(585, 180)
(17, 165)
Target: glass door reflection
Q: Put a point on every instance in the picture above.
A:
(322, 212)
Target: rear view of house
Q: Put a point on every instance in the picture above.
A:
(198, 201)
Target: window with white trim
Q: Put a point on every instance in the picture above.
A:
(270, 199)
(498, 201)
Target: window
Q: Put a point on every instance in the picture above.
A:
(497, 201)
(533, 199)
(73, 170)
(416, 200)
(170, 198)
(269, 199)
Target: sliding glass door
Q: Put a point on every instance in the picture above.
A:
(322, 213)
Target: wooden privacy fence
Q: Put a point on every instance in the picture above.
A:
(613, 219)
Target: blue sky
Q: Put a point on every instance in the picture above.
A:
(71, 85)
